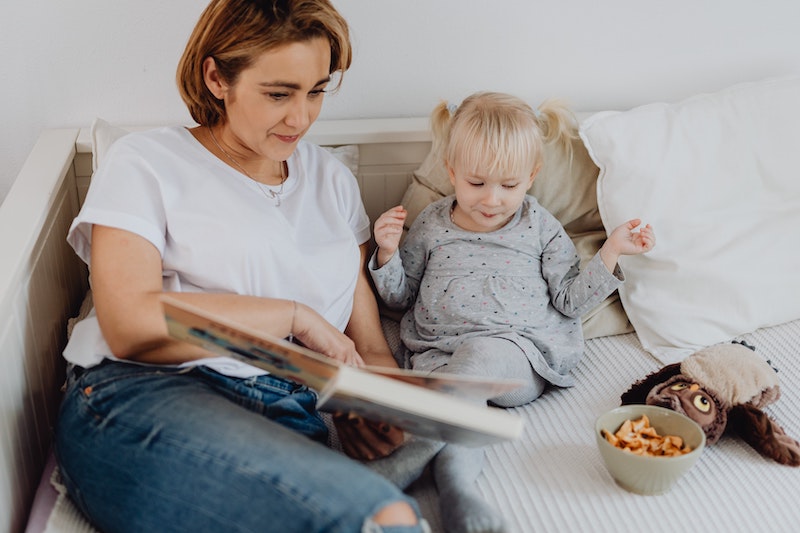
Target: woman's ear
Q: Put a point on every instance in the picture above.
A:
(213, 80)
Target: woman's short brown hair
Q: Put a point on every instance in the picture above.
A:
(236, 32)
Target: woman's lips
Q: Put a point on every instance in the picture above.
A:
(287, 138)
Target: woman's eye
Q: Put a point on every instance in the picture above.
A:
(278, 96)
(316, 93)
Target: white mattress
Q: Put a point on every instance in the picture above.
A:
(553, 478)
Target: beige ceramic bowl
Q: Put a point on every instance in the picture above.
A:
(648, 475)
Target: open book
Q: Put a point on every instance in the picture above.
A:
(439, 406)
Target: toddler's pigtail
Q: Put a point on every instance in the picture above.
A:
(440, 123)
(558, 123)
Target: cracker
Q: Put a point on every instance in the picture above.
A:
(640, 438)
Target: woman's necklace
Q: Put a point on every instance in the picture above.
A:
(269, 193)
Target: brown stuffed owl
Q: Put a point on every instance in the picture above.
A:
(722, 386)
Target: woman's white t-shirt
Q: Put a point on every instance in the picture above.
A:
(219, 231)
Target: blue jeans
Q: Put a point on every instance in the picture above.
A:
(153, 448)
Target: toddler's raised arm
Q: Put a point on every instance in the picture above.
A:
(388, 230)
(627, 240)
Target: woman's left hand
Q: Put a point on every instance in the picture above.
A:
(365, 439)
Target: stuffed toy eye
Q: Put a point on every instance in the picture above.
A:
(702, 403)
(679, 386)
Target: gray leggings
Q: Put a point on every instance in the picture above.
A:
(496, 357)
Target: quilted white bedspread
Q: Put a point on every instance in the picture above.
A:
(553, 478)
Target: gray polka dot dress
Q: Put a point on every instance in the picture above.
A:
(522, 282)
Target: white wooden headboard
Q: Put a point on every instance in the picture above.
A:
(42, 282)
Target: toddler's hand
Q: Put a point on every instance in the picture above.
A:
(629, 242)
(625, 241)
(388, 230)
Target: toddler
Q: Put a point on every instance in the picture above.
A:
(490, 279)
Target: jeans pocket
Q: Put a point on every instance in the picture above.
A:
(111, 384)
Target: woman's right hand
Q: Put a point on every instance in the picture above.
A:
(316, 333)
(388, 230)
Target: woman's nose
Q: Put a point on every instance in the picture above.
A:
(298, 115)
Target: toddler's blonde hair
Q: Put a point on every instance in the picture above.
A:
(499, 134)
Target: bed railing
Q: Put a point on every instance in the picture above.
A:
(41, 284)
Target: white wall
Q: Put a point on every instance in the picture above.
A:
(67, 61)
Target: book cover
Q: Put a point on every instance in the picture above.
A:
(440, 406)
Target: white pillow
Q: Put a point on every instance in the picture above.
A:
(104, 134)
(347, 154)
(717, 176)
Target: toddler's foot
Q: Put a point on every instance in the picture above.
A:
(466, 512)
(406, 464)
(463, 510)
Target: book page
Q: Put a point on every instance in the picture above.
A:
(277, 356)
(469, 387)
(223, 337)
(411, 400)
(431, 427)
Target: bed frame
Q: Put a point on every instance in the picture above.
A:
(41, 285)
(552, 479)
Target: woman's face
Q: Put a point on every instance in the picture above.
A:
(276, 99)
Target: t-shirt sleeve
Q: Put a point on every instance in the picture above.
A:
(124, 193)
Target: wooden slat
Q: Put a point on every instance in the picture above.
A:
(38, 290)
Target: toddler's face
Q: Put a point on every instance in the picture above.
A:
(486, 202)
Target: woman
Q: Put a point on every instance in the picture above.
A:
(242, 217)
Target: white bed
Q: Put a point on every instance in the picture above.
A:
(552, 479)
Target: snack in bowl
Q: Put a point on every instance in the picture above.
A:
(640, 438)
(653, 473)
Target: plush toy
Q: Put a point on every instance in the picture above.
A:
(722, 386)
